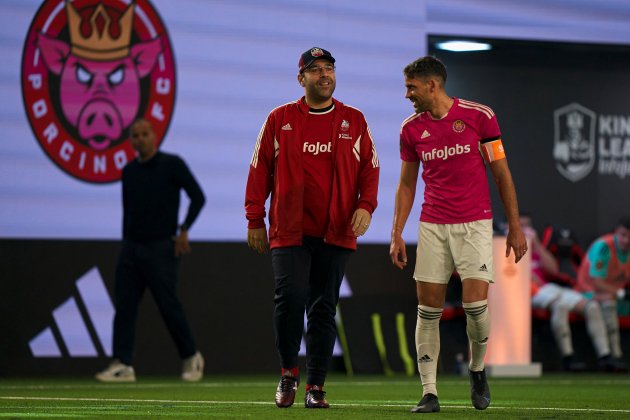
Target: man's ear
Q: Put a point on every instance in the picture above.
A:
(434, 84)
(300, 78)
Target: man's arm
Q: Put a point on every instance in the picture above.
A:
(599, 259)
(515, 237)
(197, 201)
(368, 185)
(548, 262)
(405, 195)
(368, 173)
(125, 202)
(259, 185)
(194, 193)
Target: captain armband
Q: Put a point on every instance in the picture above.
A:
(492, 150)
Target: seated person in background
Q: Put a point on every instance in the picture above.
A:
(560, 301)
(563, 245)
(604, 275)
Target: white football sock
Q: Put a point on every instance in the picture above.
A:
(478, 329)
(596, 328)
(560, 328)
(428, 346)
(611, 319)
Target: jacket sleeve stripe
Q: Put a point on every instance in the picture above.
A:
(254, 161)
(357, 149)
(375, 163)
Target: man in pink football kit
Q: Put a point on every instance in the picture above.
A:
(453, 139)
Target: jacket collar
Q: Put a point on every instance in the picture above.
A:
(305, 108)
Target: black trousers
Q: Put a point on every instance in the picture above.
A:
(308, 277)
(150, 265)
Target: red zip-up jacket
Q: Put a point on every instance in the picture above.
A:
(277, 168)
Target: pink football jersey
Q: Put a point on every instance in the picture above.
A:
(452, 151)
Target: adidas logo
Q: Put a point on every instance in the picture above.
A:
(84, 330)
(425, 359)
(425, 134)
(483, 268)
(287, 126)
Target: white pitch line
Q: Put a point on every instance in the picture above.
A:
(273, 384)
(203, 402)
(131, 400)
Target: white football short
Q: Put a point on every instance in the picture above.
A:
(465, 247)
(567, 298)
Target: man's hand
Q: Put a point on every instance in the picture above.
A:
(398, 251)
(182, 246)
(361, 222)
(517, 241)
(257, 240)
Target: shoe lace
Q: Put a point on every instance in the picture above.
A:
(287, 383)
(317, 394)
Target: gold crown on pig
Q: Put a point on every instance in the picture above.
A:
(100, 45)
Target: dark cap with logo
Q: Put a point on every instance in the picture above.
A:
(313, 54)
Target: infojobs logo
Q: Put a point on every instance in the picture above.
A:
(89, 69)
(584, 140)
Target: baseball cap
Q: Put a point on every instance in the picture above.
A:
(313, 54)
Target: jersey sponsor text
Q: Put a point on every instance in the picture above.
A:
(317, 148)
(446, 152)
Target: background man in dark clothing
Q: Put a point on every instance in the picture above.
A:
(152, 246)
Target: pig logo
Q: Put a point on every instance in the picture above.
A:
(89, 69)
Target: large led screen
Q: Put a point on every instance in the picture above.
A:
(209, 72)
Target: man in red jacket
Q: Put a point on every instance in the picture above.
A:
(316, 157)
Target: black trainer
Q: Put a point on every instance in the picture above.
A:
(285, 393)
(569, 364)
(428, 404)
(479, 389)
(315, 398)
(611, 364)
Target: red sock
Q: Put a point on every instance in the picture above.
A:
(317, 387)
(295, 372)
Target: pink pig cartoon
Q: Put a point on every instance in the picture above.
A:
(99, 89)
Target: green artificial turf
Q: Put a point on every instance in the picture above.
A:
(586, 396)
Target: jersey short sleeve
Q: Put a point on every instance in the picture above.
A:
(491, 145)
(408, 152)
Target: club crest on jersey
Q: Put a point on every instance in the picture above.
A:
(459, 126)
(574, 141)
(89, 69)
(345, 125)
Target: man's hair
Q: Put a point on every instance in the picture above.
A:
(426, 67)
(141, 120)
(624, 221)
